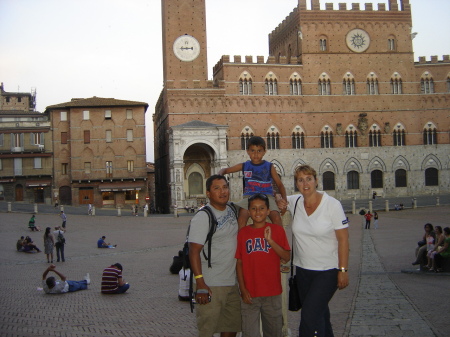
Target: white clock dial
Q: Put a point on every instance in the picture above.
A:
(357, 40)
(186, 48)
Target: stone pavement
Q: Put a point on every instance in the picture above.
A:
(380, 301)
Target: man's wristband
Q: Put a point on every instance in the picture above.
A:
(343, 270)
(198, 276)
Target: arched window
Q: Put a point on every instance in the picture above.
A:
(353, 180)
(348, 85)
(431, 177)
(245, 87)
(399, 135)
(326, 139)
(246, 134)
(351, 137)
(324, 85)
(298, 140)
(273, 141)
(429, 134)
(400, 178)
(323, 44)
(271, 84)
(396, 84)
(328, 181)
(376, 179)
(426, 83)
(372, 84)
(375, 136)
(295, 84)
(391, 44)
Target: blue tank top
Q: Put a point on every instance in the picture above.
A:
(257, 178)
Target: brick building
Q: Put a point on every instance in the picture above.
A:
(99, 152)
(339, 91)
(26, 162)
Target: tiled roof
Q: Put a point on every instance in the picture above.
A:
(96, 101)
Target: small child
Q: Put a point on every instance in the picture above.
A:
(260, 248)
(258, 177)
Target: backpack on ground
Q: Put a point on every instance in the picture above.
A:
(211, 231)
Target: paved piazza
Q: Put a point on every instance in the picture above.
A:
(380, 301)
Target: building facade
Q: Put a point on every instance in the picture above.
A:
(340, 91)
(25, 149)
(99, 152)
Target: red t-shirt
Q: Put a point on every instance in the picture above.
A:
(368, 216)
(260, 263)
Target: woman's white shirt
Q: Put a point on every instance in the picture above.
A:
(315, 243)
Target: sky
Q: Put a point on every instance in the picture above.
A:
(68, 49)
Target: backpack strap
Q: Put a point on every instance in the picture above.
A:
(292, 250)
(212, 230)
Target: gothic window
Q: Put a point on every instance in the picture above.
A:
(399, 135)
(323, 44)
(351, 138)
(391, 44)
(298, 140)
(324, 85)
(426, 83)
(396, 84)
(353, 180)
(328, 181)
(348, 85)
(374, 136)
(273, 140)
(326, 138)
(400, 178)
(431, 177)
(271, 84)
(429, 134)
(246, 134)
(372, 84)
(376, 179)
(295, 86)
(245, 86)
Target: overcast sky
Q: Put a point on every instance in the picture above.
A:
(112, 48)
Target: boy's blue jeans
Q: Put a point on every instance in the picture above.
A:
(77, 285)
(316, 288)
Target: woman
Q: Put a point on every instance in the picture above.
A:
(49, 243)
(375, 220)
(440, 237)
(443, 252)
(321, 250)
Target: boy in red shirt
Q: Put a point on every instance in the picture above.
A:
(259, 250)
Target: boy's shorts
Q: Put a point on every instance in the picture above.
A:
(222, 314)
(272, 203)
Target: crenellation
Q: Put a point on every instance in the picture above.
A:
(315, 5)
(248, 59)
(382, 7)
(355, 6)
(283, 60)
(368, 7)
(237, 58)
(259, 59)
(434, 59)
(446, 58)
(393, 6)
(342, 6)
(329, 6)
(271, 60)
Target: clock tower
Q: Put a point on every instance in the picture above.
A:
(184, 43)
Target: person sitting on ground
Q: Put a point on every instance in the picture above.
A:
(32, 224)
(421, 249)
(102, 244)
(443, 252)
(51, 285)
(440, 237)
(112, 281)
(19, 244)
(29, 245)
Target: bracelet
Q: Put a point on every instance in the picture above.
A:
(202, 291)
(343, 270)
(198, 276)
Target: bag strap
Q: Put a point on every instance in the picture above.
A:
(292, 251)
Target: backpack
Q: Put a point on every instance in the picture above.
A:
(185, 251)
(61, 238)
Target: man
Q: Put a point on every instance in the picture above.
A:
(112, 281)
(102, 244)
(217, 294)
(64, 219)
(51, 285)
(60, 242)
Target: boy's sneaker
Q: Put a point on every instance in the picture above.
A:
(87, 278)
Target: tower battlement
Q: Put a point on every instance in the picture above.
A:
(434, 59)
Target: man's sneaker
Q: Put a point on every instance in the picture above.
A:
(87, 278)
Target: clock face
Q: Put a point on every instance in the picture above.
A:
(357, 40)
(186, 48)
